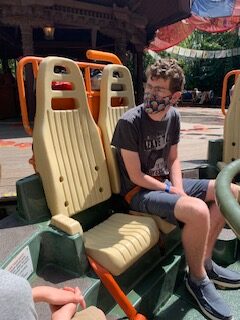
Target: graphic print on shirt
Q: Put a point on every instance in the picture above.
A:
(154, 146)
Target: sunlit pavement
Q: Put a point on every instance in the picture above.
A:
(15, 151)
(199, 125)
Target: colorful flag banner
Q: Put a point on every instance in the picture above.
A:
(199, 53)
(193, 53)
(235, 51)
(220, 54)
(176, 49)
(187, 52)
(204, 54)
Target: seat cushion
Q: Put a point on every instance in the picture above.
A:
(164, 226)
(120, 241)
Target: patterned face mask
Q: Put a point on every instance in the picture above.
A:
(154, 104)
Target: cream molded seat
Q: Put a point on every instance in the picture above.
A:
(71, 162)
(125, 238)
(109, 114)
(231, 142)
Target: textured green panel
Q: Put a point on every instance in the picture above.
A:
(227, 203)
(32, 205)
(215, 151)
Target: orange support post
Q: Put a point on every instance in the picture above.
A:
(115, 291)
(21, 88)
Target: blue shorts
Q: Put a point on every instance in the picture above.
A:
(162, 204)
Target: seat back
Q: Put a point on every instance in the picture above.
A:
(116, 97)
(69, 154)
(71, 161)
(116, 83)
(231, 145)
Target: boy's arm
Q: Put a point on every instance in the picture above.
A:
(133, 166)
(175, 171)
(55, 296)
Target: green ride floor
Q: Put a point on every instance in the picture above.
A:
(182, 306)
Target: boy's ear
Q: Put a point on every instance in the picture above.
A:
(176, 96)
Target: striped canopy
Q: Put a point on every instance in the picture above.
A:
(207, 15)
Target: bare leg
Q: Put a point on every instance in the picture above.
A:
(194, 213)
(217, 220)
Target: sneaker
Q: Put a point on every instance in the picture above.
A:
(209, 300)
(224, 277)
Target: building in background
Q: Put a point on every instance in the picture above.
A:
(70, 27)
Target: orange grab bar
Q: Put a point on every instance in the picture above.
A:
(21, 88)
(115, 291)
(35, 69)
(102, 56)
(224, 89)
(91, 54)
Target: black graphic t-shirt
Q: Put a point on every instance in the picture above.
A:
(136, 131)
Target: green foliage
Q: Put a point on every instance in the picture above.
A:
(206, 74)
(211, 41)
(147, 60)
(10, 63)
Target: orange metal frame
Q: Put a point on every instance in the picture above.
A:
(234, 73)
(93, 96)
(116, 292)
(93, 100)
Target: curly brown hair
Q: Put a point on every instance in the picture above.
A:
(167, 69)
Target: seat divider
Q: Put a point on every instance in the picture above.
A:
(115, 291)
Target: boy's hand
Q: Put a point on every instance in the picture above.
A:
(78, 299)
(177, 191)
(78, 295)
(65, 312)
(60, 297)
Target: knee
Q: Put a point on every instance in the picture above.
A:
(193, 210)
(199, 210)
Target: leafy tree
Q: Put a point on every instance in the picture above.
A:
(147, 60)
(207, 74)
